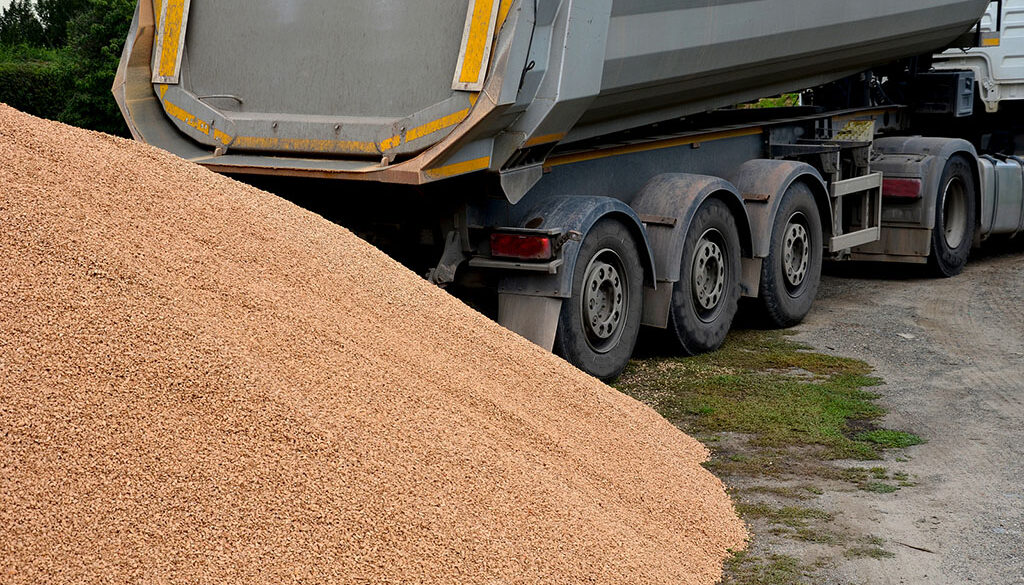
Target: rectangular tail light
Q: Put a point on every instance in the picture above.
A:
(901, 188)
(521, 247)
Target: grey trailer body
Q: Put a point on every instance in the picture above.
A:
(455, 86)
(566, 157)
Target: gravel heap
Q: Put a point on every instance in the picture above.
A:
(200, 382)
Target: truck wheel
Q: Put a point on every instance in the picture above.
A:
(792, 271)
(599, 324)
(954, 219)
(705, 298)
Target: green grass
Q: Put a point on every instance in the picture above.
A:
(790, 493)
(790, 516)
(758, 384)
(868, 551)
(768, 407)
(746, 569)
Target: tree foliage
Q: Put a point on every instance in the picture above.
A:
(96, 36)
(20, 25)
(55, 16)
(71, 81)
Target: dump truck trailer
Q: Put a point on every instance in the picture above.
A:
(579, 163)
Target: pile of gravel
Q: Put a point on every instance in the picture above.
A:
(200, 382)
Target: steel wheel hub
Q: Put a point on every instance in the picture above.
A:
(708, 273)
(796, 253)
(604, 301)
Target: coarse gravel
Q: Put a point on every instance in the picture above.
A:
(203, 383)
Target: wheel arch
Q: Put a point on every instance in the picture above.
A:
(577, 214)
(763, 182)
(934, 154)
(670, 201)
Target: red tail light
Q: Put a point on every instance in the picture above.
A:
(901, 188)
(521, 247)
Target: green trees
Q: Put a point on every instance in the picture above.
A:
(96, 37)
(70, 82)
(55, 15)
(19, 25)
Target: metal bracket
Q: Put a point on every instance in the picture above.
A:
(452, 257)
(869, 187)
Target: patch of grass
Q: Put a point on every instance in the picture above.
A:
(772, 409)
(758, 384)
(887, 439)
(746, 569)
(817, 536)
(790, 516)
(791, 493)
(867, 552)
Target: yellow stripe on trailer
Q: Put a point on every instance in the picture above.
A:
(170, 39)
(440, 124)
(477, 38)
(459, 168)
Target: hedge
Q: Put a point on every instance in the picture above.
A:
(41, 87)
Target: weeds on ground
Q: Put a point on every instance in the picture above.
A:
(747, 569)
(764, 384)
(768, 407)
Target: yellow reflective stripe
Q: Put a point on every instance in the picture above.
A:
(304, 144)
(187, 117)
(546, 139)
(158, 5)
(171, 37)
(312, 145)
(476, 42)
(990, 42)
(440, 124)
(459, 168)
(503, 9)
(221, 137)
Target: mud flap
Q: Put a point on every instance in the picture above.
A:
(535, 318)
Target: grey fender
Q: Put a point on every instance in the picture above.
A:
(677, 197)
(922, 158)
(576, 214)
(763, 182)
(668, 203)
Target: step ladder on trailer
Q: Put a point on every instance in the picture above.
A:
(855, 192)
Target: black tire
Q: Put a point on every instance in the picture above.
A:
(955, 215)
(791, 273)
(705, 298)
(598, 329)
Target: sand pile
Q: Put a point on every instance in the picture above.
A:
(200, 382)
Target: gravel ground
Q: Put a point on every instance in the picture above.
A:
(952, 354)
(203, 383)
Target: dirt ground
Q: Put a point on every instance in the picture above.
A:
(952, 355)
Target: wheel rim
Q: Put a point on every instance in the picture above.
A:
(954, 212)
(605, 299)
(708, 274)
(796, 252)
